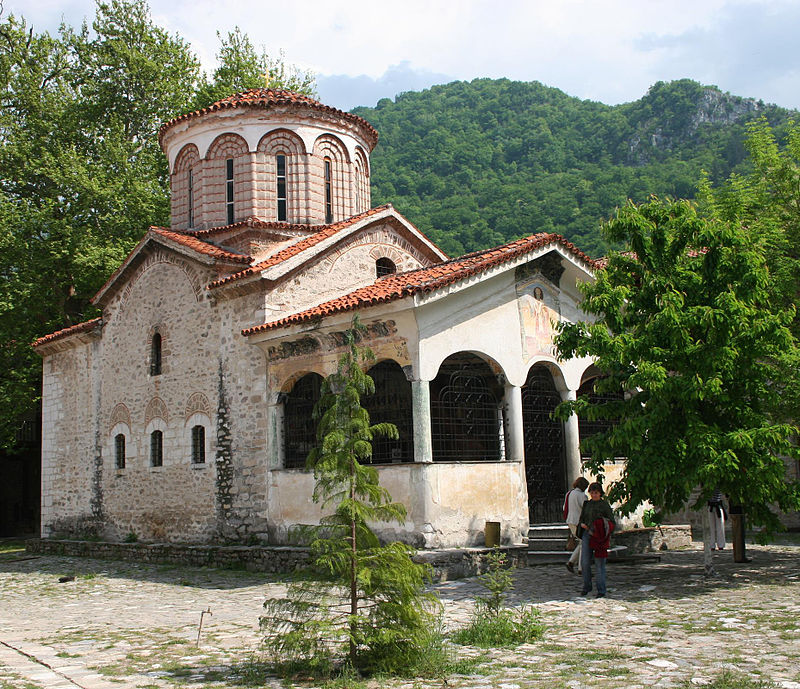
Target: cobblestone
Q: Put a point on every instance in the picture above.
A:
(663, 624)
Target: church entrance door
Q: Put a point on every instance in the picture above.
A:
(545, 465)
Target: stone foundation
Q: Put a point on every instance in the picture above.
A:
(446, 564)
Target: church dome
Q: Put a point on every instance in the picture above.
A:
(269, 154)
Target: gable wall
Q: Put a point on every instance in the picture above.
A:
(347, 267)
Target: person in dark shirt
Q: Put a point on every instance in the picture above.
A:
(596, 525)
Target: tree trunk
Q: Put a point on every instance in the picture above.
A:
(353, 583)
(708, 555)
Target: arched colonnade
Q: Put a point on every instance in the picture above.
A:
(468, 412)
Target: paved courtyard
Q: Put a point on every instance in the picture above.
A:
(118, 625)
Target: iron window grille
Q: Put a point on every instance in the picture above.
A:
(466, 414)
(119, 451)
(299, 426)
(391, 403)
(280, 162)
(198, 444)
(155, 355)
(229, 189)
(156, 449)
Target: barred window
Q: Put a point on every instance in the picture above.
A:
(156, 449)
(385, 266)
(198, 444)
(328, 191)
(229, 189)
(191, 199)
(119, 450)
(280, 163)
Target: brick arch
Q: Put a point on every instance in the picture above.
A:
(156, 409)
(361, 201)
(281, 141)
(197, 404)
(120, 414)
(186, 158)
(227, 146)
(287, 143)
(330, 146)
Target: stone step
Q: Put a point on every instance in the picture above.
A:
(548, 531)
(551, 557)
(548, 544)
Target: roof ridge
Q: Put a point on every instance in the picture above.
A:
(400, 285)
(324, 232)
(266, 97)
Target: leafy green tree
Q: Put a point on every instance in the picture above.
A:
(685, 324)
(366, 600)
(82, 173)
(241, 68)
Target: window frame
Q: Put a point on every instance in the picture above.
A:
(119, 457)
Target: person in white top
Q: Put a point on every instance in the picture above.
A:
(572, 504)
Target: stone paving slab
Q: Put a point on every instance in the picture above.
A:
(663, 624)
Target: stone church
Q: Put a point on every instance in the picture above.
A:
(183, 413)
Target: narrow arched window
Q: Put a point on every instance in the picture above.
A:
(328, 191)
(155, 355)
(229, 189)
(119, 450)
(156, 449)
(198, 444)
(280, 165)
(191, 199)
(385, 266)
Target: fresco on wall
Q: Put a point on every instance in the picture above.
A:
(539, 311)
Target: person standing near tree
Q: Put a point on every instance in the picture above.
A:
(596, 525)
(572, 507)
(717, 519)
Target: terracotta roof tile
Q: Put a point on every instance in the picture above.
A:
(254, 221)
(86, 326)
(322, 233)
(267, 98)
(200, 246)
(402, 285)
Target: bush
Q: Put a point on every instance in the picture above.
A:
(508, 627)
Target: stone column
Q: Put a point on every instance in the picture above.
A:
(275, 448)
(515, 435)
(421, 412)
(572, 440)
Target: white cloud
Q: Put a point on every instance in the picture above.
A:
(608, 50)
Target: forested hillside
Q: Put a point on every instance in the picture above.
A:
(475, 164)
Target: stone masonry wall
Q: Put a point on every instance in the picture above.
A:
(68, 444)
(174, 501)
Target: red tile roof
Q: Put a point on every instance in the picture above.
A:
(322, 232)
(254, 221)
(201, 246)
(268, 98)
(400, 285)
(86, 326)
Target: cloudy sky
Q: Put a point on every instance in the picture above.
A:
(605, 50)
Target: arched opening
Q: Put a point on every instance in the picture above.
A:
(545, 466)
(466, 411)
(589, 427)
(385, 266)
(299, 426)
(391, 403)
